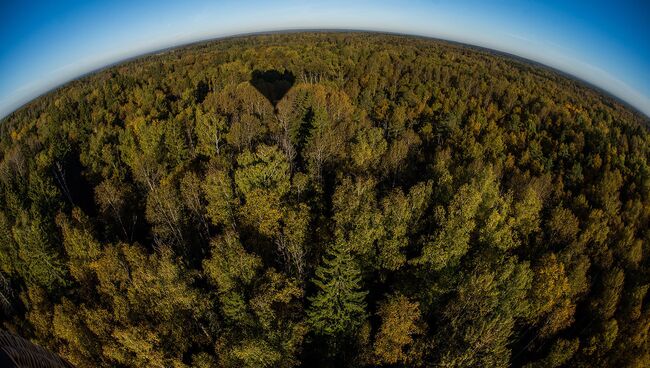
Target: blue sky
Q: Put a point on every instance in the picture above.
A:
(46, 43)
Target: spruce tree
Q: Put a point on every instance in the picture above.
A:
(339, 307)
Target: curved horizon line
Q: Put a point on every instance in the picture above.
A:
(177, 46)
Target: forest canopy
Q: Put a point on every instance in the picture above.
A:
(327, 199)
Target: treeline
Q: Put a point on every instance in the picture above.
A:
(407, 203)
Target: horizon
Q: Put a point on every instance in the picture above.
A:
(509, 56)
(610, 53)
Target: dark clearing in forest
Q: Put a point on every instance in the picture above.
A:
(327, 199)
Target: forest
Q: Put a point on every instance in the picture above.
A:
(327, 199)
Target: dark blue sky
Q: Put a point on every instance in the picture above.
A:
(45, 43)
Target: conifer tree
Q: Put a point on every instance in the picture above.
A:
(339, 306)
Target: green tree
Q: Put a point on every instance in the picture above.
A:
(220, 197)
(338, 307)
(359, 221)
(231, 268)
(367, 151)
(401, 214)
(38, 261)
(457, 222)
(210, 131)
(80, 245)
(262, 178)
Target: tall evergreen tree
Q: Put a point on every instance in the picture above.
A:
(339, 305)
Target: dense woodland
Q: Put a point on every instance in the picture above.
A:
(327, 199)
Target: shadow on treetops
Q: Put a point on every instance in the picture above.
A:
(273, 84)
